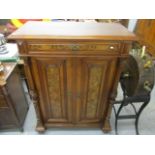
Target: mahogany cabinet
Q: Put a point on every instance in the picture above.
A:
(73, 70)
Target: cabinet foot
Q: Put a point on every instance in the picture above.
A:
(40, 128)
(106, 126)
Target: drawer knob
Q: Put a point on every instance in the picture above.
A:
(112, 47)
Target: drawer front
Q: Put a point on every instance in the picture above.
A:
(74, 48)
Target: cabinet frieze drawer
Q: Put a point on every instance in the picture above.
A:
(74, 47)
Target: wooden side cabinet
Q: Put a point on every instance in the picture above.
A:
(73, 72)
(13, 103)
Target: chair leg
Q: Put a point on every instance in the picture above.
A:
(117, 115)
(134, 108)
(138, 115)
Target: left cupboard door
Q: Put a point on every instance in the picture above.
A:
(53, 80)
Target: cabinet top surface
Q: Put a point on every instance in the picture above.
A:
(72, 30)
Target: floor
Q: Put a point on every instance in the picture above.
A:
(125, 127)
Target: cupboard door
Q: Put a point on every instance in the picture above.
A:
(52, 80)
(95, 81)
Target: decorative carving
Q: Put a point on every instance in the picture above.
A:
(74, 47)
(34, 97)
(95, 77)
(53, 80)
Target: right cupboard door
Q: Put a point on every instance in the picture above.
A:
(94, 83)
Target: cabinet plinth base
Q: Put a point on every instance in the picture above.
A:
(105, 128)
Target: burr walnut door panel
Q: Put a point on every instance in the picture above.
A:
(95, 79)
(52, 79)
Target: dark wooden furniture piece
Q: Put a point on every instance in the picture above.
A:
(145, 30)
(73, 69)
(13, 104)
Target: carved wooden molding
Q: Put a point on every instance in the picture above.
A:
(34, 97)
